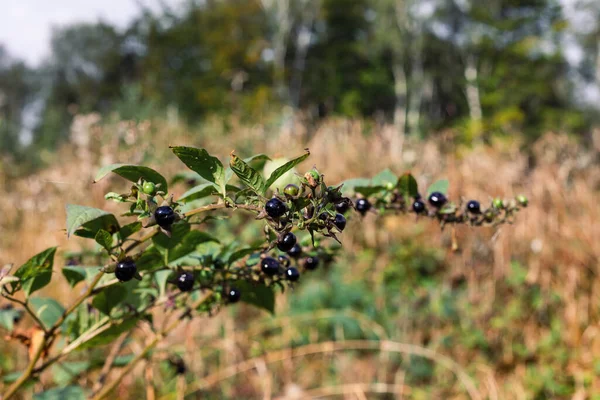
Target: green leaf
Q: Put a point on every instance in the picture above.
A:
(110, 335)
(115, 197)
(258, 295)
(133, 173)
(65, 393)
(48, 310)
(258, 160)
(109, 298)
(247, 174)
(207, 166)
(63, 373)
(161, 280)
(36, 272)
(104, 239)
(178, 232)
(283, 169)
(130, 229)
(188, 245)
(439, 186)
(150, 259)
(241, 253)
(349, 185)
(7, 318)
(408, 187)
(384, 178)
(198, 192)
(74, 275)
(82, 216)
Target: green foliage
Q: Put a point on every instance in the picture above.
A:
(133, 173)
(91, 220)
(207, 166)
(36, 272)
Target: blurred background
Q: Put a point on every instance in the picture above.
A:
(501, 97)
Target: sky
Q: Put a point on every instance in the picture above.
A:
(26, 25)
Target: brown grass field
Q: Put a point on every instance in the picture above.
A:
(514, 313)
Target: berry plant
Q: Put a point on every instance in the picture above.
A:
(161, 255)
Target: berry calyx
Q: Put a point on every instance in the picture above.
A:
(362, 206)
(291, 190)
(418, 206)
(149, 188)
(498, 203)
(269, 266)
(125, 270)
(275, 208)
(339, 222)
(437, 199)
(185, 281)
(286, 242)
(342, 207)
(295, 251)
(284, 261)
(522, 200)
(311, 262)
(474, 207)
(164, 216)
(233, 295)
(292, 274)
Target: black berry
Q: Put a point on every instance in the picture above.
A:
(437, 199)
(284, 261)
(269, 266)
(362, 206)
(339, 222)
(323, 216)
(342, 207)
(164, 216)
(292, 274)
(295, 251)
(311, 263)
(218, 263)
(275, 208)
(286, 242)
(126, 270)
(185, 281)
(233, 295)
(418, 206)
(474, 207)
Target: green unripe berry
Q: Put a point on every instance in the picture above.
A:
(149, 188)
(291, 190)
(390, 186)
(313, 177)
(498, 203)
(522, 200)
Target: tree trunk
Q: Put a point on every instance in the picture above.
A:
(416, 86)
(472, 89)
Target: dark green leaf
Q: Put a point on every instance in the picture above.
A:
(439, 186)
(78, 216)
(74, 275)
(161, 280)
(207, 166)
(36, 272)
(283, 169)
(7, 318)
(258, 295)
(368, 191)
(48, 310)
(247, 174)
(66, 393)
(130, 229)
(104, 239)
(150, 259)
(186, 176)
(13, 376)
(133, 173)
(407, 185)
(109, 298)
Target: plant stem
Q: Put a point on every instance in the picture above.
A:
(28, 309)
(221, 206)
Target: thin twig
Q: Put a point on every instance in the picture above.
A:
(25, 305)
(114, 352)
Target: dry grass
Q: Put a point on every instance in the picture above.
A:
(555, 239)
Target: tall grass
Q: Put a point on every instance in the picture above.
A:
(515, 311)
